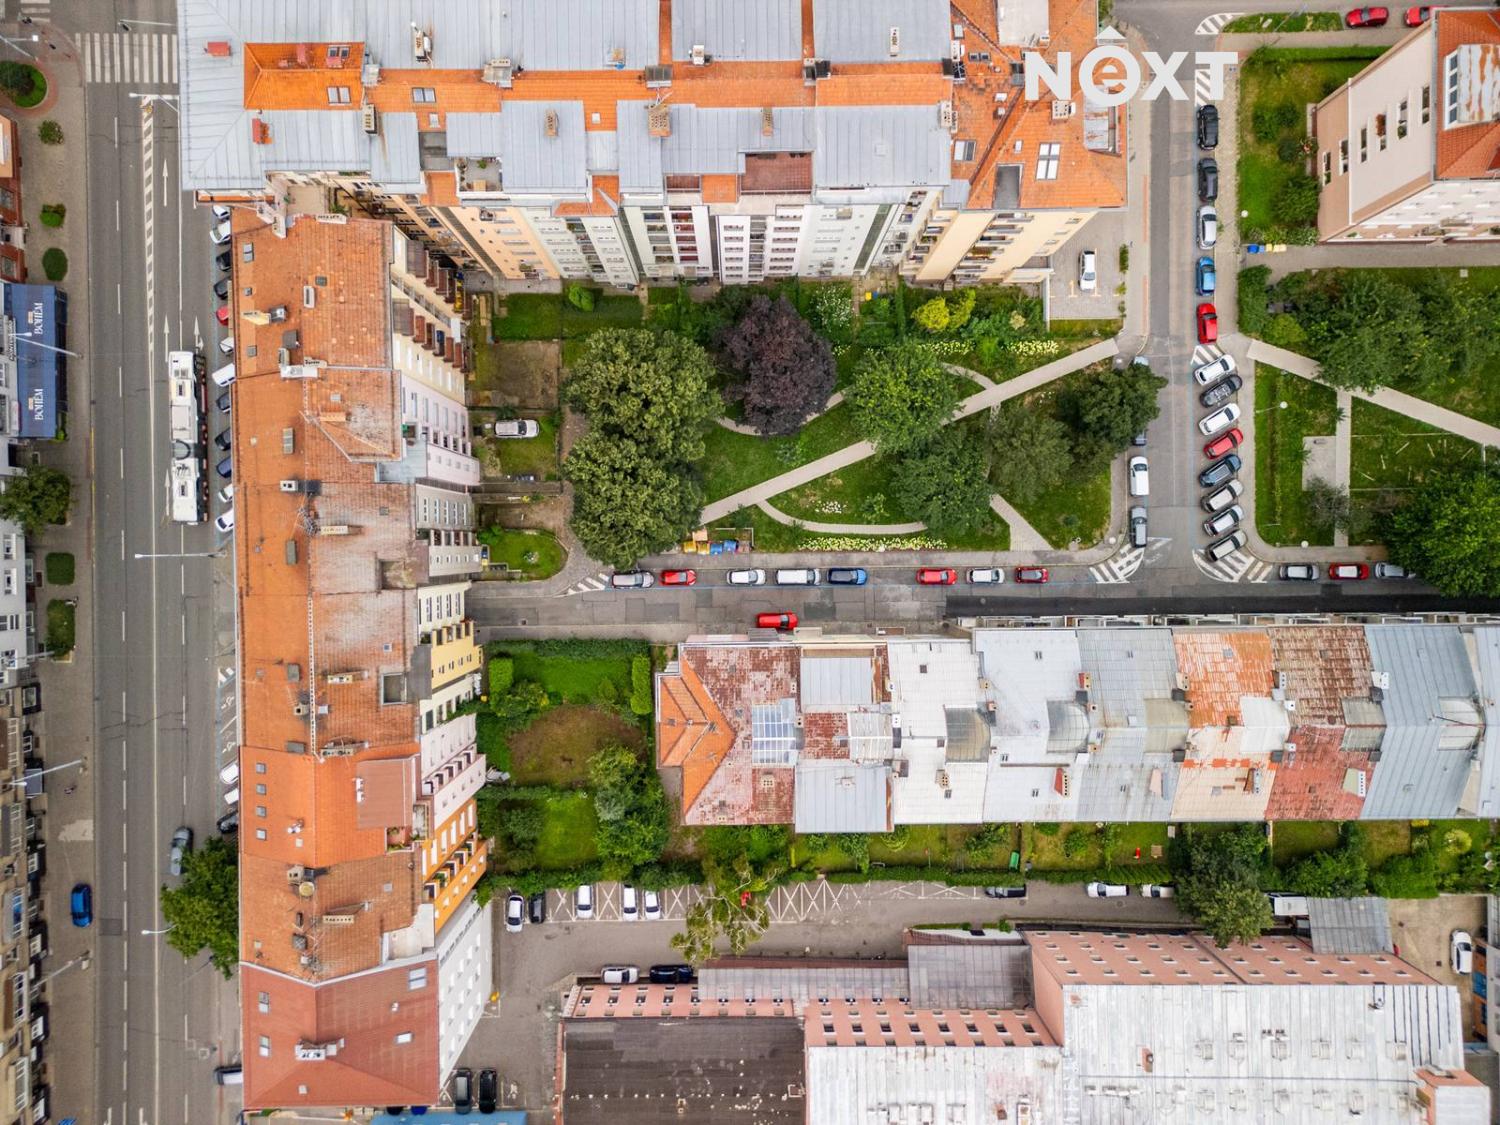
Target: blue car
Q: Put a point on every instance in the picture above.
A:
(1207, 277)
(83, 905)
(848, 576)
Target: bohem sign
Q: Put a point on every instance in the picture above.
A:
(36, 320)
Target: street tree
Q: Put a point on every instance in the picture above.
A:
(1109, 409)
(627, 500)
(1220, 888)
(36, 497)
(901, 397)
(17, 79)
(1447, 530)
(203, 911)
(785, 370)
(945, 483)
(731, 911)
(1031, 454)
(1327, 505)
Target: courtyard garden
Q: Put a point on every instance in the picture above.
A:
(1283, 514)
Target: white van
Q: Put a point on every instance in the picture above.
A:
(230, 773)
(796, 578)
(1288, 906)
(1107, 890)
(224, 375)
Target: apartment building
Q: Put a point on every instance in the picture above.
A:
(12, 223)
(621, 141)
(365, 959)
(1189, 723)
(1409, 148)
(1042, 1026)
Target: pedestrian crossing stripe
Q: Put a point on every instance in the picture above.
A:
(590, 585)
(141, 58)
(1212, 25)
(1241, 566)
(1119, 567)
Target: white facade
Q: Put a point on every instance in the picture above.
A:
(671, 241)
(440, 605)
(15, 645)
(585, 247)
(439, 707)
(464, 979)
(454, 782)
(443, 742)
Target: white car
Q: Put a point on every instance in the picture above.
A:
(1461, 952)
(630, 909)
(1226, 520)
(229, 774)
(1107, 890)
(1219, 420)
(652, 903)
(619, 974)
(583, 901)
(987, 576)
(1391, 570)
(747, 578)
(225, 521)
(515, 914)
(1088, 273)
(1140, 477)
(517, 428)
(221, 233)
(1158, 890)
(1214, 370)
(1208, 228)
(226, 345)
(226, 494)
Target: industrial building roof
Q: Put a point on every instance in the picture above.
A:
(736, 30)
(834, 796)
(964, 972)
(877, 31)
(1349, 925)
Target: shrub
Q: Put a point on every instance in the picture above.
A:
(55, 264)
(606, 694)
(50, 133)
(59, 568)
(641, 696)
(1076, 842)
(1047, 827)
(61, 617)
(1458, 842)
(1254, 281)
(18, 80)
(933, 316)
(53, 214)
(489, 734)
(1406, 876)
(1296, 201)
(1285, 331)
(581, 297)
(502, 675)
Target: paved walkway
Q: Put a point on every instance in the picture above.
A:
(859, 451)
(750, 431)
(1343, 444)
(1385, 255)
(1023, 537)
(842, 528)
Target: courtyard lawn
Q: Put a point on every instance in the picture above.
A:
(538, 455)
(555, 749)
(1391, 454)
(1280, 508)
(736, 461)
(549, 316)
(1291, 840)
(59, 568)
(532, 554)
(567, 838)
(572, 670)
(1078, 511)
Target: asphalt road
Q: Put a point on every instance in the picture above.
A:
(157, 1025)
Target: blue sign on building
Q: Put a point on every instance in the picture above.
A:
(39, 316)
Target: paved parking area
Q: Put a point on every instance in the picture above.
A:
(1422, 927)
(1104, 234)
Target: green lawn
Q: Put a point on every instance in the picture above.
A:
(737, 461)
(1079, 511)
(531, 553)
(59, 568)
(1284, 23)
(573, 669)
(1280, 512)
(567, 838)
(555, 749)
(1478, 832)
(61, 618)
(1293, 839)
(538, 455)
(1391, 451)
(549, 316)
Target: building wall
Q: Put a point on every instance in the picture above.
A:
(1396, 77)
(454, 782)
(15, 649)
(438, 417)
(440, 605)
(443, 742)
(457, 654)
(504, 235)
(464, 979)
(439, 707)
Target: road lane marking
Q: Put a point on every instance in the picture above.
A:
(1212, 25)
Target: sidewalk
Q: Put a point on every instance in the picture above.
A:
(1380, 255)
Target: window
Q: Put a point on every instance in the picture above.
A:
(1426, 104)
(1401, 120)
(423, 95)
(1450, 84)
(416, 978)
(1343, 156)
(338, 95)
(1364, 143)
(403, 1037)
(265, 1046)
(1327, 168)
(963, 150)
(1380, 131)
(338, 54)
(264, 1003)
(1047, 160)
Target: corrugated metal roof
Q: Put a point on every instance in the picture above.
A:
(640, 154)
(956, 1085)
(1132, 674)
(860, 30)
(1028, 671)
(837, 681)
(474, 134)
(1487, 652)
(880, 146)
(395, 152)
(603, 151)
(970, 974)
(749, 30)
(713, 141)
(534, 163)
(1425, 664)
(1349, 925)
(1108, 790)
(834, 796)
(794, 984)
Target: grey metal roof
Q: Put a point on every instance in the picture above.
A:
(395, 152)
(1349, 925)
(1425, 664)
(835, 796)
(603, 151)
(799, 981)
(751, 30)
(880, 146)
(1487, 653)
(860, 30)
(474, 135)
(1132, 674)
(640, 154)
(969, 734)
(836, 681)
(870, 735)
(533, 163)
(714, 141)
(970, 974)
(1113, 790)
(866, 1085)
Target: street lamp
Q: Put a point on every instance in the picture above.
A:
(145, 23)
(180, 554)
(21, 781)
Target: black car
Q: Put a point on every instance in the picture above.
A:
(1220, 471)
(223, 440)
(225, 468)
(489, 1090)
(1006, 892)
(223, 261)
(536, 907)
(1208, 126)
(222, 402)
(463, 1090)
(1221, 391)
(229, 823)
(671, 974)
(221, 289)
(1208, 180)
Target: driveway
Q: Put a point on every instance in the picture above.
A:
(1421, 928)
(1104, 234)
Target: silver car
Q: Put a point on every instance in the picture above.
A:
(1214, 369)
(182, 843)
(632, 579)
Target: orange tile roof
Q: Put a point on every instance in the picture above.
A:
(1221, 669)
(296, 76)
(692, 732)
(606, 199)
(1467, 151)
(721, 189)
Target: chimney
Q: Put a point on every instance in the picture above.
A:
(260, 132)
(550, 122)
(659, 120)
(304, 54)
(767, 121)
(217, 48)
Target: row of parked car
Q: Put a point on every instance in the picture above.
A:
(1341, 572)
(533, 908)
(835, 576)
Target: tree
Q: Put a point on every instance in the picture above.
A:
(1221, 885)
(17, 79)
(1364, 327)
(1327, 505)
(581, 297)
(54, 264)
(1446, 531)
(901, 397)
(946, 484)
(785, 370)
(1030, 453)
(724, 912)
(37, 497)
(1111, 408)
(960, 308)
(933, 316)
(50, 133)
(627, 501)
(1341, 872)
(203, 911)
(521, 827)
(631, 807)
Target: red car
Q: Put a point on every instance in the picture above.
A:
(1367, 17)
(1223, 444)
(1348, 572)
(1031, 574)
(1208, 323)
(782, 621)
(1416, 17)
(222, 316)
(936, 576)
(678, 577)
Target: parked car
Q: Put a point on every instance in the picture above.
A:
(1088, 274)
(1297, 572)
(1107, 890)
(679, 577)
(747, 578)
(1031, 575)
(223, 260)
(489, 1090)
(230, 773)
(1158, 890)
(671, 974)
(782, 621)
(1224, 521)
(225, 468)
(632, 580)
(1205, 277)
(1226, 546)
(224, 439)
(583, 901)
(462, 1089)
(536, 907)
(1224, 443)
(1219, 419)
(1208, 227)
(220, 212)
(848, 575)
(1418, 15)
(224, 522)
(1367, 17)
(224, 402)
(1208, 323)
(229, 823)
(619, 974)
(517, 428)
(1138, 527)
(1214, 370)
(182, 843)
(1138, 475)
(1208, 126)
(796, 576)
(986, 576)
(221, 289)
(1208, 179)
(936, 576)
(1139, 440)
(1217, 501)
(1349, 572)
(222, 315)
(231, 1075)
(221, 233)
(226, 494)
(1006, 892)
(651, 904)
(1461, 952)
(232, 797)
(1220, 471)
(1221, 391)
(1391, 570)
(630, 905)
(515, 913)
(81, 905)
(226, 345)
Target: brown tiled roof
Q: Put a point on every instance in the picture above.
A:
(1310, 784)
(1221, 668)
(692, 733)
(1468, 151)
(1323, 665)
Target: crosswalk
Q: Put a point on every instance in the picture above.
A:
(590, 585)
(1238, 567)
(1211, 25)
(35, 11)
(1118, 567)
(137, 57)
(1206, 353)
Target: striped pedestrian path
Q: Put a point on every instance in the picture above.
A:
(137, 57)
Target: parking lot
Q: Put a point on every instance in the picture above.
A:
(1104, 234)
(1422, 927)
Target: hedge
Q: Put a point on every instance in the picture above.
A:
(1134, 875)
(902, 874)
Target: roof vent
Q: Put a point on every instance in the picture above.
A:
(421, 44)
(499, 72)
(813, 69)
(700, 55)
(549, 122)
(369, 117)
(767, 121)
(217, 48)
(659, 120)
(614, 58)
(260, 132)
(895, 44)
(1061, 110)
